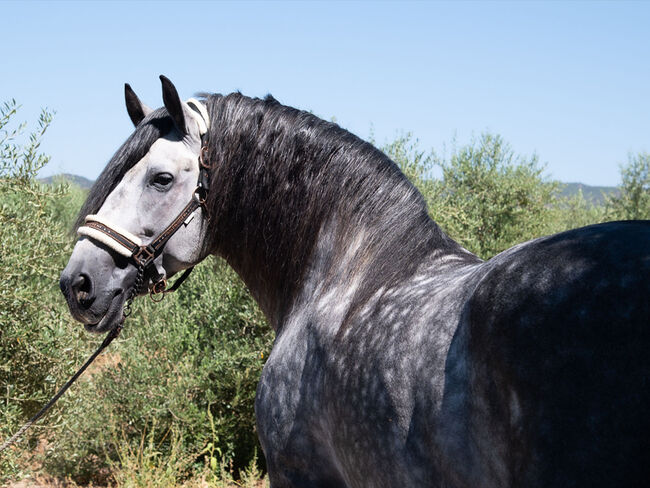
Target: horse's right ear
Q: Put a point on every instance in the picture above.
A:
(173, 104)
(136, 109)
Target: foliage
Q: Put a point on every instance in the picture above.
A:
(488, 198)
(633, 202)
(416, 165)
(575, 211)
(36, 346)
(144, 466)
(180, 366)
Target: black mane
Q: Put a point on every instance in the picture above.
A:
(282, 175)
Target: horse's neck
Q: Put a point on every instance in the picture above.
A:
(308, 215)
(335, 262)
(336, 269)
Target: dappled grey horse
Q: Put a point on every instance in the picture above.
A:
(400, 359)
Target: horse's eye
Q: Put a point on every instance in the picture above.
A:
(162, 181)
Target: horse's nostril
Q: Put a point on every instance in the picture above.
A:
(83, 290)
(79, 281)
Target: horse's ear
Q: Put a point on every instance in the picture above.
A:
(136, 109)
(173, 104)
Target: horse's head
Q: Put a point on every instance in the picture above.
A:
(142, 212)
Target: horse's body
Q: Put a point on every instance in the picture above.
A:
(401, 359)
(528, 370)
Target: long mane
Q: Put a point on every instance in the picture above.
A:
(283, 175)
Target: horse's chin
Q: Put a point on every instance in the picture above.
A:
(113, 316)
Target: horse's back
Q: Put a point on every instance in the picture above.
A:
(559, 335)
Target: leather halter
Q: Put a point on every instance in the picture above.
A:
(130, 246)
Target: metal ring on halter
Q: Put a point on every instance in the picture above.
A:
(158, 288)
(202, 158)
(201, 195)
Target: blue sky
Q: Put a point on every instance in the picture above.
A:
(567, 81)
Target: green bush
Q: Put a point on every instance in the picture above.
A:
(183, 374)
(633, 200)
(37, 345)
(488, 198)
(575, 211)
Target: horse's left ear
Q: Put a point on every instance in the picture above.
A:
(136, 109)
(173, 104)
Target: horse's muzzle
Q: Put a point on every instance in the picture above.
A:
(79, 292)
(97, 313)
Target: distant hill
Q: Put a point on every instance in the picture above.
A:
(84, 183)
(593, 194)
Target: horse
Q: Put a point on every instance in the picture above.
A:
(400, 358)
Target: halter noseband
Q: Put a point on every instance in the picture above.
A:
(130, 246)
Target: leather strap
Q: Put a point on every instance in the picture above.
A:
(141, 255)
(157, 244)
(121, 239)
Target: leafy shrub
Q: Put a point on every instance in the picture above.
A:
(182, 375)
(575, 211)
(498, 198)
(490, 198)
(37, 344)
(633, 200)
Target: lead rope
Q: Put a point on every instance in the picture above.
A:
(139, 280)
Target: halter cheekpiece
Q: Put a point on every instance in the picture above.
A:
(131, 246)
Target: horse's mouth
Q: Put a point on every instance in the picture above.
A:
(112, 317)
